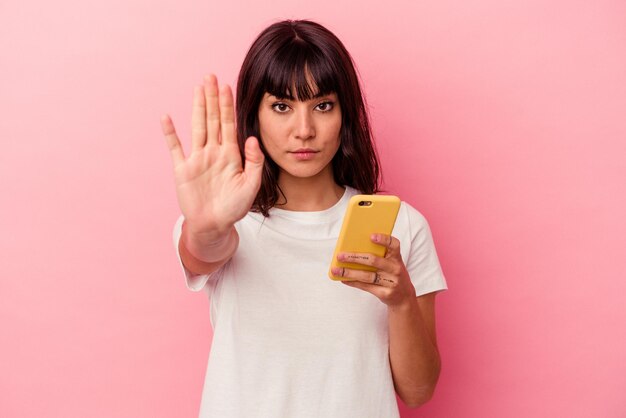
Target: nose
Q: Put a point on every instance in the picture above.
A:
(304, 128)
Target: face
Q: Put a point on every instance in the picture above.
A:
(301, 136)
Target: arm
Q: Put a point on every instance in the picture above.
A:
(413, 353)
(213, 187)
(202, 256)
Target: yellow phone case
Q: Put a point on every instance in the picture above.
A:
(365, 215)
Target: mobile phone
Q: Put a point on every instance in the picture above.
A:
(365, 215)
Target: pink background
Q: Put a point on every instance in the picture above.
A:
(503, 122)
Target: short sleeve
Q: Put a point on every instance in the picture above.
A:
(194, 282)
(422, 262)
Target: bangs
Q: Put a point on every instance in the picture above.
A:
(300, 73)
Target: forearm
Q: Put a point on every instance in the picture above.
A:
(203, 254)
(414, 358)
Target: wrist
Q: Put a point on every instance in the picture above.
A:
(211, 246)
(409, 304)
(207, 234)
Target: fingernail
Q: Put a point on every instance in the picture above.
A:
(335, 270)
(375, 237)
(341, 256)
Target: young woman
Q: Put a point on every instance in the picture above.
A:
(262, 204)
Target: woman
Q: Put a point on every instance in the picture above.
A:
(262, 204)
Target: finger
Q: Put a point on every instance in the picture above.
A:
(254, 162)
(227, 116)
(377, 278)
(391, 243)
(365, 259)
(375, 290)
(173, 144)
(212, 109)
(198, 119)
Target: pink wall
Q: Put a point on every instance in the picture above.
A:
(503, 122)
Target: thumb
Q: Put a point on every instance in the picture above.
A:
(254, 159)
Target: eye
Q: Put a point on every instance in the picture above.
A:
(325, 106)
(280, 107)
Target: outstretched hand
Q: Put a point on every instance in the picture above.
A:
(213, 188)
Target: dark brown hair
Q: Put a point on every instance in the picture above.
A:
(276, 64)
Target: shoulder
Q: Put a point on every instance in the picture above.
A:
(410, 219)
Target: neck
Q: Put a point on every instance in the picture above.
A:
(309, 194)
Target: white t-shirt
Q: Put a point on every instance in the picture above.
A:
(290, 342)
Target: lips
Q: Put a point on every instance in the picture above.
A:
(304, 153)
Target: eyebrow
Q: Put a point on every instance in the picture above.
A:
(317, 96)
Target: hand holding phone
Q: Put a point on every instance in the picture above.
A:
(365, 215)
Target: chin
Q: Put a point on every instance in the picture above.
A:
(303, 172)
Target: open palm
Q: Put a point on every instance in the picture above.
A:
(213, 188)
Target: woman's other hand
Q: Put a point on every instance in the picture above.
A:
(213, 188)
